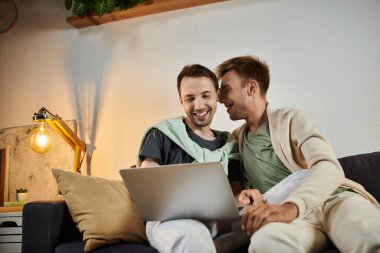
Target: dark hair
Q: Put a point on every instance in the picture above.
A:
(247, 67)
(196, 70)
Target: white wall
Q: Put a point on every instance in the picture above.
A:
(118, 79)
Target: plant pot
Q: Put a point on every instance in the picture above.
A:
(22, 196)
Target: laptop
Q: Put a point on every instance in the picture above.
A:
(195, 190)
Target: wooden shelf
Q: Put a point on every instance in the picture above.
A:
(7, 209)
(147, 8)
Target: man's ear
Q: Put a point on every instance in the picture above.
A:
(252, 87)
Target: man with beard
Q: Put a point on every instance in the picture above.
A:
(276, 143)
(185, 140)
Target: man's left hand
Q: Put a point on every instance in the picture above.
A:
(259, 214)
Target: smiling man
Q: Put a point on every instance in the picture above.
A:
(276, 143)
(190, 139)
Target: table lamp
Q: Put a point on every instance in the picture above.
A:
(41, 138)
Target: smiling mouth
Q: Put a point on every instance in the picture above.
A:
(201, 114)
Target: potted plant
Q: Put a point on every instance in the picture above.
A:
(83, 7)
(21, 194)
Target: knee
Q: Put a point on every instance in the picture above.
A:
(181, 236)
(370, 236)
(192, 237)
(270, 239)
(195, 241)
(261, 240)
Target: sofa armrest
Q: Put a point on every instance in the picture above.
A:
(47, 224)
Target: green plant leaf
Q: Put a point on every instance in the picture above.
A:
(68, 4)
(83, 7)
(100, 7)
(21, 190)
(103, 6)
(80, 8)
(110, 5)
(90, 5)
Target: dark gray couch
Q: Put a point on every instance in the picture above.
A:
(48, 227)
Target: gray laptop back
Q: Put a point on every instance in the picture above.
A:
(196, 190)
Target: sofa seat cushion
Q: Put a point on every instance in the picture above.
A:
(78, 247)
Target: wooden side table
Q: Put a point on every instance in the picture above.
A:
(10, 229)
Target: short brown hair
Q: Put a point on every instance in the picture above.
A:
(247, 67)
(196, 70)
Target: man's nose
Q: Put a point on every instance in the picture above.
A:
(198, 104)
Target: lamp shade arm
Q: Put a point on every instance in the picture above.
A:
(66, 133)
(71, 138)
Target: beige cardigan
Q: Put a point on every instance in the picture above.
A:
(299, 145)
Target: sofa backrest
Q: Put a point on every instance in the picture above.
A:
(365, 170)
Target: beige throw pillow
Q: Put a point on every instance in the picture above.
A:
(101, 208)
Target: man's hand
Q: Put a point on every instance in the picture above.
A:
(260, 213)
(247, 197)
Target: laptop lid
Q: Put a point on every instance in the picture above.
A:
(195, 190)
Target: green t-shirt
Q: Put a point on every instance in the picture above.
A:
(261, 164)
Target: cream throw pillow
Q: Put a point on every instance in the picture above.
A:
(101, 208)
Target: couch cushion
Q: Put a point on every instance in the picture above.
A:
(101, 208)
(365, 170)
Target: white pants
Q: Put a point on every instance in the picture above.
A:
(180, 236)
(347, 218)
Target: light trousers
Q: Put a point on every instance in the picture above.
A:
(180, 236)
(348, 219)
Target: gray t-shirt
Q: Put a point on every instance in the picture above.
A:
(158, 145)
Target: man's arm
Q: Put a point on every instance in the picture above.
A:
(150, 152)
(326, 174)
(150, 162)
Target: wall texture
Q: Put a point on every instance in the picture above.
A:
(118, 79)
(31, 170)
